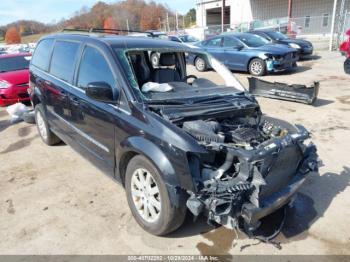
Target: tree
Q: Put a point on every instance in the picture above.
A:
(190, 17)
(110, 23)
(12, 36)
(150, 17)
(99, 12)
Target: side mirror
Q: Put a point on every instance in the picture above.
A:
(101, 91)
(238, 47)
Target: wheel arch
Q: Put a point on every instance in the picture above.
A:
(133, 146)
(251, 59)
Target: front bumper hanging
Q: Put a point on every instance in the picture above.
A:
(296, 93)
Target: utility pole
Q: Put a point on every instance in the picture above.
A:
(222, 15)
(167, 22)
(333, 25)
(176, 22)
(202, 6)
(127, 24)
(290, 7)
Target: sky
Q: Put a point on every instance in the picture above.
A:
(48, 11)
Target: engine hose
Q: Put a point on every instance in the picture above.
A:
(225, 166)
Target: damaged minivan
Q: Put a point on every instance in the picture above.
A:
(177, 139)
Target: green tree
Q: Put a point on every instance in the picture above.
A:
(190, 17)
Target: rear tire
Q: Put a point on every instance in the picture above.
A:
(200, 64)
(142, 195)
(257, 67)
(42, 125)
(155, 60)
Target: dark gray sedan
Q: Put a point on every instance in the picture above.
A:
(305, 48)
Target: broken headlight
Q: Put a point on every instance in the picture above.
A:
(275, 57)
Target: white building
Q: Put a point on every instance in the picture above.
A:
(307, 13)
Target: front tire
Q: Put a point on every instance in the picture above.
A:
(44, 131)
(149, 200)
(257, 67)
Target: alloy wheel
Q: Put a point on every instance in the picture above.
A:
(200, 64)
(145, 195)
(256, 68)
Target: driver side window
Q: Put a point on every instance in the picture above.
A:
(94, 68)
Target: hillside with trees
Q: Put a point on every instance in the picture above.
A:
(127, 14)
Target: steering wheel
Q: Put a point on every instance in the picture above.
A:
(189, 77)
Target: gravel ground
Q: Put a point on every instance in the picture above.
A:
(52, 201)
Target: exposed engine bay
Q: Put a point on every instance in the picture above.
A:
(253, 167)
(249, 166)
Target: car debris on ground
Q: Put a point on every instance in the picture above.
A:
(295, 92)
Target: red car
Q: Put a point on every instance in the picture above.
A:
(14, 78)
(345, 49)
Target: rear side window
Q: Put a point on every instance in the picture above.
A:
(42, 53)
(63, 60)
(94, 68)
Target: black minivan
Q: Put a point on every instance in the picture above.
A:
(176, 138)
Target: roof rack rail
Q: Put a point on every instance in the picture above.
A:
(104, 30)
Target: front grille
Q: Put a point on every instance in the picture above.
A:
(22, 84)
(282, 170)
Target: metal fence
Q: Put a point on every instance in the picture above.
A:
(310, 25)
(344, 25)
(315, 27)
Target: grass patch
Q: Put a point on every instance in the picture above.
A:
(31, 38)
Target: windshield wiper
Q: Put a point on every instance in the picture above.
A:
(213, 99)
(217, 98)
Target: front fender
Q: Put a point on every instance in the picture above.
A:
(150, 150)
